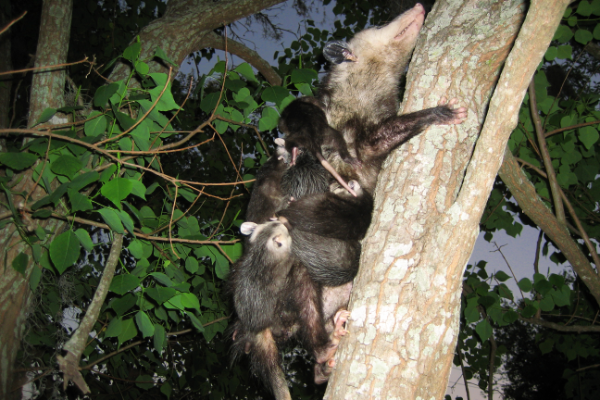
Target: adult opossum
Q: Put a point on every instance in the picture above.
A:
(360, 100)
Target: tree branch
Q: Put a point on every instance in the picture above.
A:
(541, 137)
(526, 196)
(215, 41)
(69, 364)
(562, 328)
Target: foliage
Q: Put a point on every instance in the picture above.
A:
(107, 174)
(566, 104)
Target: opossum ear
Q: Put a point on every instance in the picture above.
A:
(337, 52)
(247, 228)
(279, 142)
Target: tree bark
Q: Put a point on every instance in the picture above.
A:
(430, 197)
(187, 26)
(46, 91)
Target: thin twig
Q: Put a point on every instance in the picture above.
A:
(85, 59)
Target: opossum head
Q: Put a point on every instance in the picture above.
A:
(367, 69)
(272, 238)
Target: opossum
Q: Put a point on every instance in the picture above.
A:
(360, 95)
(305, 127)
(334, 214)
(276, 299)
(268, 196)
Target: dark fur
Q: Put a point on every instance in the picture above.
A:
(275, 299)
(333, 215)
(306, 177)
(305, 126)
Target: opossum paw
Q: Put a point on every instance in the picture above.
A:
(458, 114)
(323, 371)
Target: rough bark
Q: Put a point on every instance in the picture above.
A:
(5, 65)
(430, 197)
(532, 205)
(46, 91)
(188, 25)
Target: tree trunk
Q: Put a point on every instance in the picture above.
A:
(430, 197)
(46, 91)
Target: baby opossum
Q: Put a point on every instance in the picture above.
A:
(305, 127)
(267, 195)
(334, 214)
(275, 298)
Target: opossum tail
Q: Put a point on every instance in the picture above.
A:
(264, 359)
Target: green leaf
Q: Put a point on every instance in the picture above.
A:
(566, 52)
(132, 52)
(162, 279)
(107, 173)
(159, 338)
(160, 294)
(158, 52)
(78, 201)
(166, 389)
(144, 382)
(128, 331)
(275, 94)
(35, 277)
(116, 190)
(195, 321)
(583, 36)
(542, 286)
(142, 68)
(547, 304)
(144, 323)
(510, 316)
(584, 8)
(18, 161)
(551, 53)
(66, 165)
(471, 314)
(20, 263)
(166, 102)
(189, 300)
(525, 285)
(46, 115)
(123, 304)
(64, 251)
(209, 102)
(245, 70)
(96, 126)
(84, 239)
(191, 264)
(136, 249)
(303, 75)
(484, 330)
(114, 328)
(546, 346)
(588, 135)
(562, 296)
(126, 220)
(502, 276)
(122, 284)
(269, 119)
(103, 93)
(112, 219)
